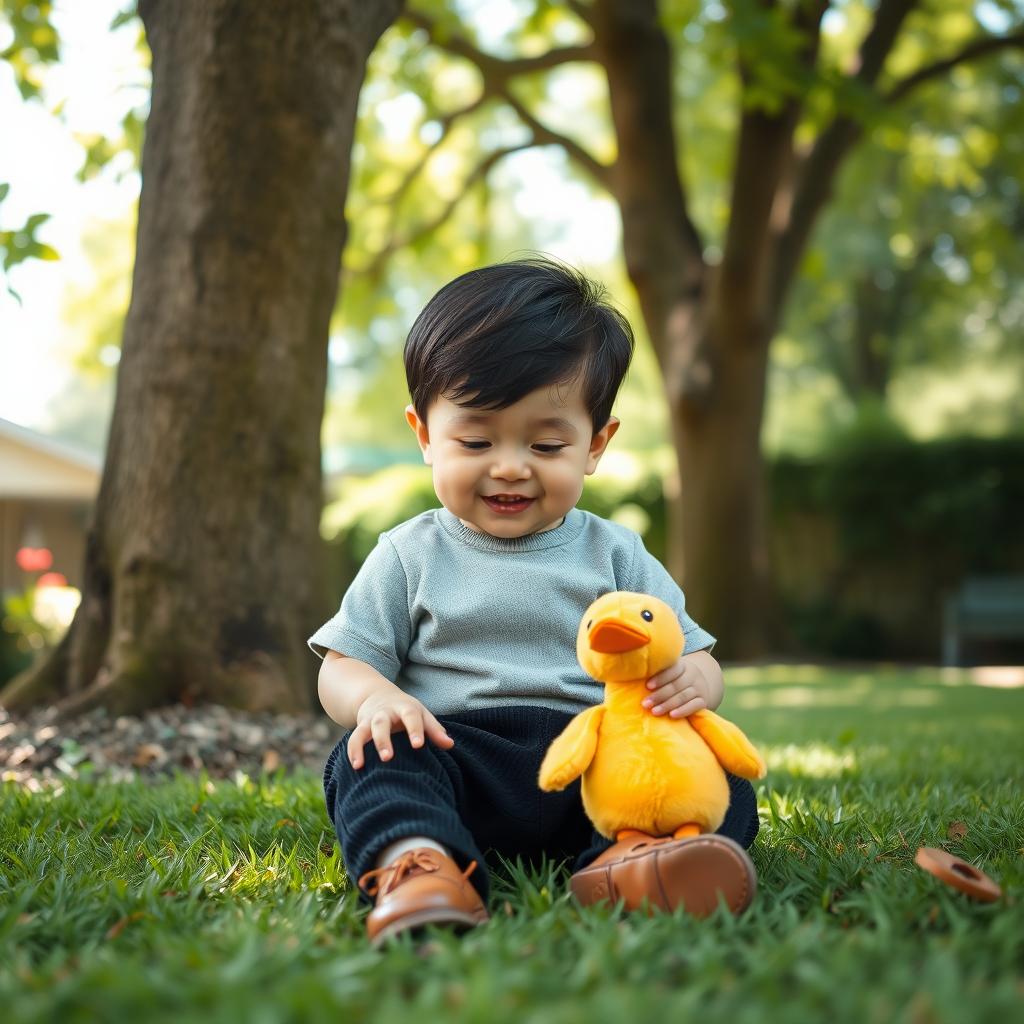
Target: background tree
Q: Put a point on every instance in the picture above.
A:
(210, 497)
(918, 263)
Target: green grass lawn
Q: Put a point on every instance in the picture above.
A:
(198, 901)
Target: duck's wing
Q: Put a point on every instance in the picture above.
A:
(728, 743)
(572, 750)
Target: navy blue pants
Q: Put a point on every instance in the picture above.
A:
(480, 795)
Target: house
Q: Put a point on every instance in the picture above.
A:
(47, 490)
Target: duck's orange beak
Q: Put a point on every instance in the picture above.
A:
(610, 637)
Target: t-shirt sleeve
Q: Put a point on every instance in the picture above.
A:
(649, 576)
(372, 624)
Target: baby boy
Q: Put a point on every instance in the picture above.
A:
(452, 660)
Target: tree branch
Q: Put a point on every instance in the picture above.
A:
(498, 69)
(582, 11)
(482, 169)
(976, 48)
(496, 73)
(446, 123)
(764, 164)
(817, 173)
(545, 136)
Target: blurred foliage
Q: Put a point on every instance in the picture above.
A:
(122, 153)
(897, 524)
(919, 260)
(22, 635)
(20, 244)
(34, 42)
(958, 498)
(33, 45)
(98, 303)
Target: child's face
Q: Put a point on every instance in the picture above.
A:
(534, 455)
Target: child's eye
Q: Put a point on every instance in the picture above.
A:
(475, 445)
(549, 449)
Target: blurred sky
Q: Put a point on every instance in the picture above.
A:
(97, 81)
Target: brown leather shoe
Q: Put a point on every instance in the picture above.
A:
(421, 887)
(670, 873)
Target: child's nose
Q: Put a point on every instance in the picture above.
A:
(509, 465)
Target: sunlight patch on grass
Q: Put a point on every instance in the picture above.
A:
(797, 697)
(851, 696)
(884, 673)
(754, 675)
(1002, 677)
(810, 760)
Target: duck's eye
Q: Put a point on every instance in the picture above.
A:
(647, 616)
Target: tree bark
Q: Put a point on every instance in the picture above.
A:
(202, 575)
(706, 326)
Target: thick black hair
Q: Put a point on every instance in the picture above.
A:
(495, 334)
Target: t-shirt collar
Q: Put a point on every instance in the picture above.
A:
(570, 528)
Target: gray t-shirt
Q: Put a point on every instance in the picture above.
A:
(462, 620)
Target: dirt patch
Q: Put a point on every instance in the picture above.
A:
(37, 751)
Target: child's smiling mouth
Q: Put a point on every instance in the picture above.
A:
(507, 504)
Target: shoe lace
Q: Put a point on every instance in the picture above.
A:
(386, 878)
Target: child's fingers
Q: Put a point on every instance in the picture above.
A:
(380, 730)
(697, 704)
(668, 677)
(356, 742)
(412, 719)
(669, 697)
(675, 700)
(437, 732)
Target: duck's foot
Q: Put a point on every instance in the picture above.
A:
(631, 833)
(687, 831)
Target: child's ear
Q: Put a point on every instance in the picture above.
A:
(419, 428)
(598, 443)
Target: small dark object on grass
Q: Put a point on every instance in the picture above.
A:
(958, 873)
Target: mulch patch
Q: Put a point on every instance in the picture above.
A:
(38, 751)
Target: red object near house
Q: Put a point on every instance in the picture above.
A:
(34, 559)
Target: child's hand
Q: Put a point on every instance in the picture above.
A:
(681, 689)
(382, 714)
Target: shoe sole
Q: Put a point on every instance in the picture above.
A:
(691, 873)
(421, 918)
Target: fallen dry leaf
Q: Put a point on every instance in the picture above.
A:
(116, 929)
(957, 830)
(147, 753)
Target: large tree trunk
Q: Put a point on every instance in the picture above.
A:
(202, 574)
(722, 503)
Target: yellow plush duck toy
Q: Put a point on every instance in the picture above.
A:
(641, 772)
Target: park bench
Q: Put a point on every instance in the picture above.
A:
(983, 608)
